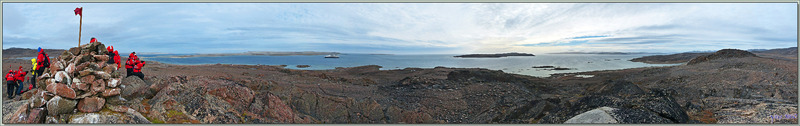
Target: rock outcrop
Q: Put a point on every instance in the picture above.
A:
(721, 54)
(599, 115)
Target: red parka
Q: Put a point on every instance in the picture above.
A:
(41, 59)
(116, 58)
(138, 67)
(10, 76)
(131, 61)
(20, 75)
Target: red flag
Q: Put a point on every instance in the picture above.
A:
(78, 11)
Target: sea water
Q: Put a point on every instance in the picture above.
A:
(513, 64)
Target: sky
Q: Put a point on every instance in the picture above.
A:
(404, 28)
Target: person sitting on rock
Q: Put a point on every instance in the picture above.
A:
(11, 82)
(43, 62)
(20, 77)
(130, 63)
(137, 69)
(110, 54)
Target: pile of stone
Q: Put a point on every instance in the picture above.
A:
(78, 81)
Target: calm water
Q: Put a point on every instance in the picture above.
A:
(514, 64)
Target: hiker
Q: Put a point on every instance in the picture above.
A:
(110, 54)
(43, 61)
(117, 58)
(33, 75)
(129, 64)
(20, 77)
(137, 69)
(11, 82)
(93, 40)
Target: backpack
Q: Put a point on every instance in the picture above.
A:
(46, 60)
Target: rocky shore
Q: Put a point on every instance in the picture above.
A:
(727, 89)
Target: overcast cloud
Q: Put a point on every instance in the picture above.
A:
(404, 28)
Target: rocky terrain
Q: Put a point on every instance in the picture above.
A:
(668, 59)
(493, 55)
(729, 89)
(783, 53)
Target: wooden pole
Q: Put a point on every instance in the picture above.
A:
(80, 28)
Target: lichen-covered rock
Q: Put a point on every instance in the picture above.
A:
(61, 90)
(98, 85)
(102, 58)
(91, 104)
(113, 82)
(102, 75)
(58, 105)
(599, 115)
(38, 99)
(36, 115)
(134, 87)
(111, 92)
(62, 77)
(19, 116)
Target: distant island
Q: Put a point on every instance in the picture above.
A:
(493, 55)
(252, 53)
(617, 53)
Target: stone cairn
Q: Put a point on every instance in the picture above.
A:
(78, 80)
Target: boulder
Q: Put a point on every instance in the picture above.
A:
(599, 115)
(36, 115)
(85, 72)
(71, 69)
(19, 116)
(134, 87)
(106, 117)
(82, 66)
(62, 77)
(38, 99)
(102, 75)
(98, 85)
(110, 68)
(58, 105)
(91, 104)
(111, 92)
(101, 58)
(113, 82)
(61, 90)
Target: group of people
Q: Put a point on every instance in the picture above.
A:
(15, 79)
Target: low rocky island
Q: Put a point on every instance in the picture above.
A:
(493, 55)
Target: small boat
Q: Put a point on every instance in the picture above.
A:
(332, 56)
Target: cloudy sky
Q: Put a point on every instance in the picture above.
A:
(404, 28)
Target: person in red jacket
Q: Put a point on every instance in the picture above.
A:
(20, 77)
(130, 63)
(137, 69)
(117, 58)
(93, 40)
(43, 61)
(11, 83)
(110, 55)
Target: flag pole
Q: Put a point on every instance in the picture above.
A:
(80, 28)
